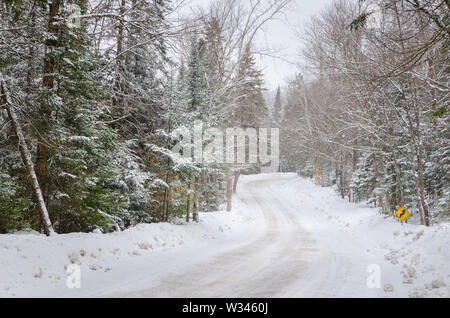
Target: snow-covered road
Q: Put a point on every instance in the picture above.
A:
(268, 264)
(296, 250)
(286, 237)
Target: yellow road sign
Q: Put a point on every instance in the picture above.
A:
(402, 213)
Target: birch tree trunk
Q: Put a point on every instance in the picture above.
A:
(26, 158)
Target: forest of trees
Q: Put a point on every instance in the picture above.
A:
(91, 92)
(369, 113)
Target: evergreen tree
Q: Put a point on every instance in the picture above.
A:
(249, 108)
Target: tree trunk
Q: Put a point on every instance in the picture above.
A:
(26, 158)
(419, 205)
(229, 191)
(195, 207)
(188, 203)
(165, 215)
(47, 85)
(216, 193)
(383, 169)
(377, 183)
(422, 186)
(317, 172)
(400, 202)
(341, 181)
(237, 174)
(119, 49)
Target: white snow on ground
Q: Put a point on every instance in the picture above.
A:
(32, 264)
(414, 259)
(332, 243)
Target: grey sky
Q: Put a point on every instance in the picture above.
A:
(280, 35)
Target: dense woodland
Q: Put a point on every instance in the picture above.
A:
(369, 114)
(92, 92)
(90, 98)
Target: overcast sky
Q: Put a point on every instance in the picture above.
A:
(280, 35)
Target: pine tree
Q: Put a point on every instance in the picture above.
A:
(249, 109)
